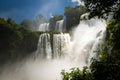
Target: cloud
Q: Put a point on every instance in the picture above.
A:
(78, 1)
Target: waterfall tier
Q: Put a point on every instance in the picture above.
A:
(60, 41)
(44, 27)
(44, 46)
(59, 25)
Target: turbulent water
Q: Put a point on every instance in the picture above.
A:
(58, 52)
(44, 46)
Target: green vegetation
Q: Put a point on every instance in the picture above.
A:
(72, 15)
(16, 41)
(34, 24)
(107, 67)
(77, 74)
(113, 38)
(103, 8)
(71, 19)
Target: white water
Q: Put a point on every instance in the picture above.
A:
(86, 38)
(44, 27)
(44, 46)
(75, 53)
(60, 43)
(60, 26)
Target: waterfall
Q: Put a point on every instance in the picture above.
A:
(60, 26)
(44, 27)
(44, 46)
(100, 39)
(58, 52)
(60, 42)
(72, 51)
(83, 45)
(86, 38)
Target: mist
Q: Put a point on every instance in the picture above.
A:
(77, 53)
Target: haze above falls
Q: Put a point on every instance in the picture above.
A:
(58, 52)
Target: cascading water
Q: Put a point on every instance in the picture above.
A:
(44, 27)
(44, 46)
(67, 52)
(86, 38)
(60, 25)
(60, 42)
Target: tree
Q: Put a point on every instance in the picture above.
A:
(102, 8)
(34, 24)
(107, 68)
(10, 21)
(73, 14)
(14, 41)
(113, 30)
(28, 23)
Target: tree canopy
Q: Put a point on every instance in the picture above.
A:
(73, 14)
(102, 8)
(15, 39)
